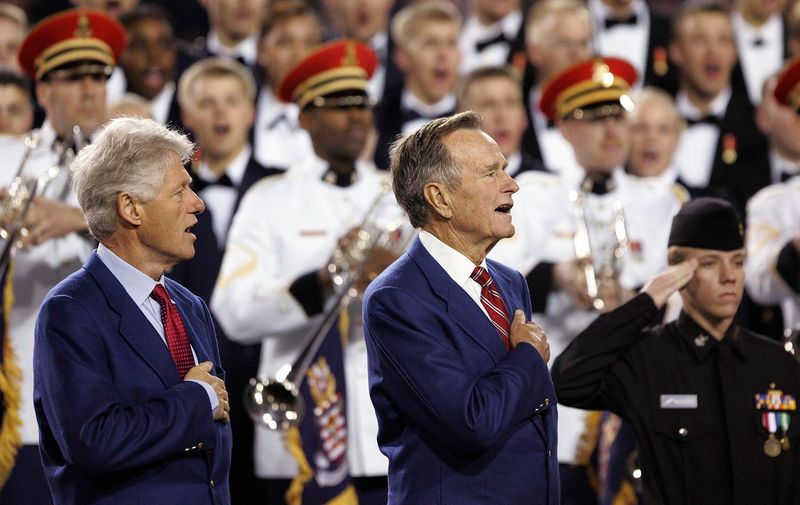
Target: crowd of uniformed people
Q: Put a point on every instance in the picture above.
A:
(611, 114)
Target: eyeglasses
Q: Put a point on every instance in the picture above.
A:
(98, 73)
(344, 102)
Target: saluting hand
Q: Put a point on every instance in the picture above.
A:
(202, 373)
(661, 287)
(529, 332)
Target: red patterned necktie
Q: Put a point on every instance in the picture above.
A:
(493, 303)
(177, 338)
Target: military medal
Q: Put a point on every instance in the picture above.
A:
(660, 61)
(784, 420)
(772, 447)
(729, 155)
(775, 418)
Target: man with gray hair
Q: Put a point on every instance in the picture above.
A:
(150, 420)
(458, 378)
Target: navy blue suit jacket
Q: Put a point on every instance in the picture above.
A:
(462, 420)
(117, 425)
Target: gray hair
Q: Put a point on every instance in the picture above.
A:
(422, 158)
(131, 155)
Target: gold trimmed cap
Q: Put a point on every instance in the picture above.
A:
(587, 85)
(66, 38)
(337, 67)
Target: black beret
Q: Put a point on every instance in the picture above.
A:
(707, 223)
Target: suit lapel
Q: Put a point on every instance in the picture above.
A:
(134, 328)
(194, 326)
(464, 311)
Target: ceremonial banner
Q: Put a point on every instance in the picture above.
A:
(319, 442)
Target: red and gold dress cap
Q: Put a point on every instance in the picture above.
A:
(71, 36)
(590, 82)
(342, 65)
(787, 87)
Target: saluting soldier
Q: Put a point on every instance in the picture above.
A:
(713, 404)
(601, 219)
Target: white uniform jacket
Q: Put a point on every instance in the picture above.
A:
(773, 220)
(288, 226)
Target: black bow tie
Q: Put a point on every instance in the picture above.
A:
(500, 38)
(612, 22)
(785, 176)
(341, 180)
(201, 184)
(599, 186)
(709, 119)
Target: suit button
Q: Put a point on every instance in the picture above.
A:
(549, 453)
(546, 402)
(212, 483)
(187, 449)
(200, 445)
(683, 432)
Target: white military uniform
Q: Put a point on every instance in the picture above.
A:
(288, 226)
(545, 223)
(773, 220)
(39, 268)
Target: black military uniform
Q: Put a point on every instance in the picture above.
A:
(715, 420)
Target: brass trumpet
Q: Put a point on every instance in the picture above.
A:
(23, 190)
(609, 265)
(276, 402)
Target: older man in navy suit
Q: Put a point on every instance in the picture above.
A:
(128, 389)
(458, 378)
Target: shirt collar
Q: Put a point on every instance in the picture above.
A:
(771, 32)
(601, 12)
(247, 49)
(410, 101)
(702, 342)
(514, 162)
(457, 266)
(136, 283)
(235, 169)
(717, 106)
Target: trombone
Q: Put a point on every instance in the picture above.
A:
(276, 402)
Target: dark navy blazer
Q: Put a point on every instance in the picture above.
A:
(462, 420)
(117, 424)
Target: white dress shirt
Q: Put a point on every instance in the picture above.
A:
(161, 103)
(698, 143)
(221, 200)
(760, 51)
(247, 49)
(457, 266)
(496, 54)
(629, 42)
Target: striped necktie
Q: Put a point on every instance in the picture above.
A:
(493, 303)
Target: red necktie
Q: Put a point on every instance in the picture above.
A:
(493, 303)
(177, 339)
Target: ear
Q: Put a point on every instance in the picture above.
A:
(305, 121)
(401, 59)
(439, 199)
(129, 209)
(565, 129)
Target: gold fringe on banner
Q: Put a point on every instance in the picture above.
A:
(10, 377)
